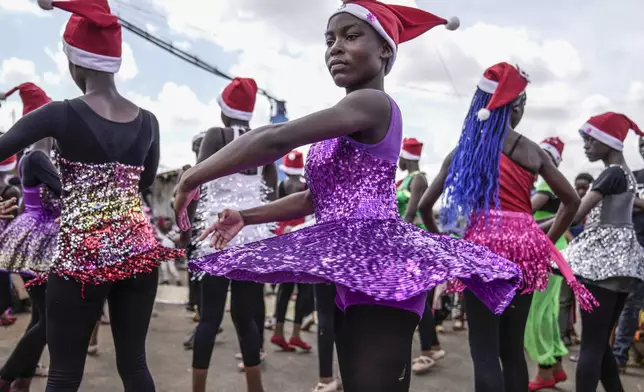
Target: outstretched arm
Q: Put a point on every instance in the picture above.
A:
(432, 194)
(359, 112)
(37, 125)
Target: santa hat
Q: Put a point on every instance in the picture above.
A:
(395, 23)
(31, 95)
(237, 101)
(610, 128)
(293, 163)
(505, 82)
(411, 149)
(554, 146)
(92, 38)
(198, 136)
(8, 164)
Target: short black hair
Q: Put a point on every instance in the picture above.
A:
(586, 177)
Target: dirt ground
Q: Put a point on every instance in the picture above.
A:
(283, 372)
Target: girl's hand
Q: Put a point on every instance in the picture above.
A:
(7, 208)
(182, 199)
(227, 227)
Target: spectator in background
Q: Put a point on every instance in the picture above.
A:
(163, 227)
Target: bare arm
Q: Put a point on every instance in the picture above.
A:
(417, 189)
(362, 112)
(293, 206)
(587, 203)
(538, 201)
(564, 191)
(432, 194)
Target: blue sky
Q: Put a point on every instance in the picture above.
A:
(584, 57)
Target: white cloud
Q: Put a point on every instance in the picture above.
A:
(23, 6)
(15, 71)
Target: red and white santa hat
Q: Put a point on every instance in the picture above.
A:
(31, 95)
(237, 101)
(8, 164)
(293, 163)
(411, 149)
(610, 128)
(505, 82)
(395, 23)
(554, 146)
(92, 38)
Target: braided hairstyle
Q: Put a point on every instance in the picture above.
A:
(472, 184)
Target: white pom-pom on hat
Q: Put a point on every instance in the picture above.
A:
(453, 23)
(46, 5)
(291, 156)
(483, 114)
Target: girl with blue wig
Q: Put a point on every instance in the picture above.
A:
(487, 180)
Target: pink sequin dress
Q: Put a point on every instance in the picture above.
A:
(361, 244)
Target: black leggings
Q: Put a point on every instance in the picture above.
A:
(5, 291)
(24, 359)
(374, 347)
(246, 299)
(496, 344)
(596, 360)
(325, 304)
(302, 304)
(427, 326)
(72, 313)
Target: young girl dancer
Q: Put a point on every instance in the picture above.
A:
(542, 337)
(383, 267)
(9, 195)
(108, 152)
(27, 247)
(488, 178)
(408, 194)
(293, 166)
(246, 189)
(606, 254)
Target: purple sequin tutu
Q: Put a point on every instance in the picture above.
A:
(360, 243)
(28, 243)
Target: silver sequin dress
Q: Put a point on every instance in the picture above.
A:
(607, 252)
(237, 192)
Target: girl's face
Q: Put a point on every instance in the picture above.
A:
(594, 149)
(582, 186)
(355, 53)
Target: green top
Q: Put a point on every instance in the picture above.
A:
(541, 214)
(403, 194)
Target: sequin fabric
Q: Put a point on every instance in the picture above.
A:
(604, 251)
(104, 234)
(238, 192)
(360, 242)
(517, 237)
(28, 243)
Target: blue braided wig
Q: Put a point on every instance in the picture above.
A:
(472, 184)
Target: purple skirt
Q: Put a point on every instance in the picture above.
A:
(389, 260)
(28, 243)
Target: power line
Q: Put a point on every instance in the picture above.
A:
(183, 55)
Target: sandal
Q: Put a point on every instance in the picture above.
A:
(422, 364)
(539, 383)
(7, 319)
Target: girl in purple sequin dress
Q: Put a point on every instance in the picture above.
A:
(382, 266)
(27, 247)
(108, 152)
